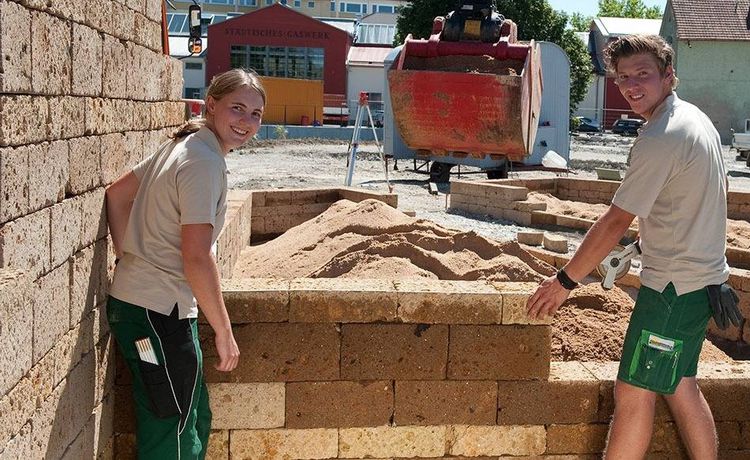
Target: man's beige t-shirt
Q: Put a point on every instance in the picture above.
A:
(676, 185)
(183, 183)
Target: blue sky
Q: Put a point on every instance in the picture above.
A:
(590, 7)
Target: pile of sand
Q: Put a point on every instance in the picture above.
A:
(372, 240)
(465, 64)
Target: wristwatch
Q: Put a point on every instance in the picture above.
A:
(565, 280)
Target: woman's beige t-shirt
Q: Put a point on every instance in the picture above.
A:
(183, 183)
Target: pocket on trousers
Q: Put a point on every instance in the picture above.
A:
(654, 363)
(159, 390)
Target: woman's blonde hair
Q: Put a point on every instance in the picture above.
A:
(221, 85)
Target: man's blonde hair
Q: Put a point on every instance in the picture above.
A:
(630, 45)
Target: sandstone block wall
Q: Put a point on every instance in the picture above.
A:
(344, 369)
(85, 93)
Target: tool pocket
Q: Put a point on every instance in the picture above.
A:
(654, 363)
(159, 390)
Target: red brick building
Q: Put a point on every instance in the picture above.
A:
(277, 41)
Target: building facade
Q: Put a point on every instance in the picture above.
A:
(317, 8)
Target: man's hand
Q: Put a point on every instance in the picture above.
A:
(547, 299)
(229, 353)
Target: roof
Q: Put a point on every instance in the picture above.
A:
(347, 25)
(379, 18)
(615, 27)
(367, 56)
(714, 20)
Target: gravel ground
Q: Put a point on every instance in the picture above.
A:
(314, 163)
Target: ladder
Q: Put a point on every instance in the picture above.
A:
(351, 153)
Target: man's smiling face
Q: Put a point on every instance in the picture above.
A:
(642, 83)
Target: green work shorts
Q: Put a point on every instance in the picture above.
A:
(664, 338)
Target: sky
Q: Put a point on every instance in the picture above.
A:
(590, 7)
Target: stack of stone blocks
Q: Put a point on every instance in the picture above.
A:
(85, 93)
(507, 199)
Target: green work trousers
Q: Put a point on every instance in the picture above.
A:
(173, 418)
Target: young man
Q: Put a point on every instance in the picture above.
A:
(676, 185)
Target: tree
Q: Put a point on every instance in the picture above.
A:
(628, 9)
(580, 23)
(535, 19)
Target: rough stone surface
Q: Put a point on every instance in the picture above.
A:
(14, 183)
(317, 443)
(25, 243)
(499, 352)
(16, 328)
(15, 52)
(555, 243)
(51, 310)
(393, 351)
(338, 404)
(114, 68)
(386, 441)
(113, 157)
(85, 167)
(531, 238)
(576, 439)
(49, 170)
(445, 402)
(218, 445)
(472, 441)
(448, 302)
(23, 119)
(50, 54)
(87, 61)
(66, 117)
(94, 218)
(66, 222)
(256, 300)
(247, 405)
(341, 300)
(515, 296)
(88, 270)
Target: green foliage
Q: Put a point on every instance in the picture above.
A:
(580, 23)
(628, 9)
(535, 19)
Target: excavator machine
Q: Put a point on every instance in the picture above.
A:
(469, 94)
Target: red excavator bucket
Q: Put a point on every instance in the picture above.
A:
(459, 98)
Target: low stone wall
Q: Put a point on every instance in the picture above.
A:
(347, 368)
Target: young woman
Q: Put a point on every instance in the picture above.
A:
(164, 216)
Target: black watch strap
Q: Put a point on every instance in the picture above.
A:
(565, 280)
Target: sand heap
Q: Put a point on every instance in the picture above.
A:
(372, 240)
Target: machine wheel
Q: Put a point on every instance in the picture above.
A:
(747, 156)
(500, 172)
(453, 27)
(440, 172)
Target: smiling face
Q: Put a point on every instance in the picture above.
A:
(642, 83)
(235, 118)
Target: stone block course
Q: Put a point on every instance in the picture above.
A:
(66, 230)
(102, 18)
(25, 243)
(341, 300)
(445, 402)
(386, 441)
(576, 439)
(22, 119)
(66, 117)
(15, 52)
(88, 269)
(472, 441)
(114, 68)
(256, 300)
(85, 168)
(87, 61)
(51, 303)
(247, 405)
(393, 351)
(16, 331)
(113, 157)
(14, 182)
(499, 352)
(50, 54)
(448, 302)
(94, 218)
(338, 404)
(317, 443)
(49, 170)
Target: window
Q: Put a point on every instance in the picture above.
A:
(193, 66)
(353, 7)
(298, 3)
(193, 93)
(385, 9)
(284, 2)
(279, 61)
(364, 8)
(248, 2)
(333, 6)
(176, 23)
(269, 2)
(342, 7)
(311, 4)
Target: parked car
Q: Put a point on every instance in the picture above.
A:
(627, 126)
(587, 125)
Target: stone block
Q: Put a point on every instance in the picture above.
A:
(531, 238)
(515, 296)
(570, 395)
(247, 405)
(448, 302)
(114, 68)
(177, 82)
(472, 441)
(153, 10)
(16, 408)
(445, 403)
(555, 243)
(14, 182)
(722, 396)
(88, 270)
(15, 52)
(285, 352)
(341, 300)
(101, 18)
(23, 119)
(87, 61)
(387, 441)
(218, 445)
(338, 404)
(474, 189)
(66, 222)
(576, 439)
(50, 54)
(113, 157)
(105, 369)
(499, 352)
(25, 243)
(133, 149)
(94, 217)
(51, 303)
(541, 218)
(497, 193)
(66, 117)
(529, 206)
(16, 328)
(283, 444)
(256, 300)
(85, 167)
(393, 351)
(49, 169)
(18, 447)
(731, 333)
(577, 223)
(125, 446)
(519, 217)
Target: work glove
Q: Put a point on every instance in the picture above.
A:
(723, 301)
